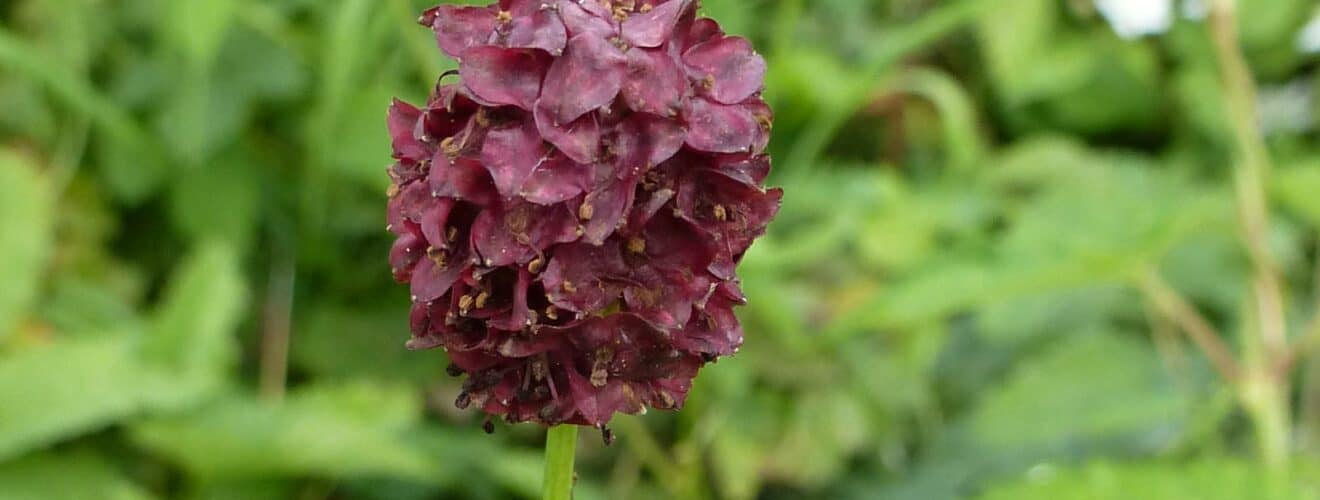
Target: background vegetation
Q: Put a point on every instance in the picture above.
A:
(995, 210)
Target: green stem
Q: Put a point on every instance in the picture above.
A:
(560, 448)
(1265, 399)
(1264, 391)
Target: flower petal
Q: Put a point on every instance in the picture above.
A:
(604, 210)
(643, 141)
(585, 278)
(715, 331)
(733, 212)
(458, 28)
(403, 119)
(749, 170)
(738, 211)
(519, 316)
(587, 17)
(654, 27)
(425, 322)
(702, 30)
(407, 250)
(655, 83)
(408, 206)
(433, 276)
(673, 243)
(579, 140)
(555, 180)
(664, 297)
(435, 221)
(511, 154)
(728, 66)
(463, 178)
(587, 77)
(516, 232)
(541, 29)
(504, 76)
(719, 128)
(764, 119)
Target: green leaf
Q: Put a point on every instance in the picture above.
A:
(193, 327)
(340, 342)
(189, 116)
(1090, 388)
(1044, 315)
(61, 390)
(126, 137)
(1012, 39)
(1296, 187)
(27, 218)
(958, 117)
(824, 429)
(242, 490)
(66, 476)
(360, 145)
(354, 430)
(1094, 219)
(219, 200)
(80, 308)
(198, 27)
(58, 391)
(1203, 479)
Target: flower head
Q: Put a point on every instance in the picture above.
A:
(570, 212)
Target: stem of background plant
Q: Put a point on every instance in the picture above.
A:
(560, 449)
(277, 322)
(1263, 389)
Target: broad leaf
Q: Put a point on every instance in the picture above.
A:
(27, 218)
(193, 328)
(1087, 389)
(1203, 479)
(356, 430)
(58, 391)
(66, 476)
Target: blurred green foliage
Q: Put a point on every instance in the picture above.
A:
(944, 308)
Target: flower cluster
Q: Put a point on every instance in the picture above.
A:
(570, 212)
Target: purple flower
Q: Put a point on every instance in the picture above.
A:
(570, 213)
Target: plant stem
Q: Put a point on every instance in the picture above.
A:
(560, 449)
(1264, 388)
(1264, 396)
(1251, 174)
(277, 324)
(1177, 309)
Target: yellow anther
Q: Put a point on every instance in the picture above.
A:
(636, 245)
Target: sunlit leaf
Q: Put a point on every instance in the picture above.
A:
(352, 430)
(66, 476)
(1297, 186)
(219, 200)
(1092, 387)
(192, 334)
(1203, 479)
(62, 390)
(26, 214)
(199, 27)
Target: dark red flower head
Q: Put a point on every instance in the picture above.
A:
(570, 212)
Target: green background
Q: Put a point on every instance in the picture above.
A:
(945, 307)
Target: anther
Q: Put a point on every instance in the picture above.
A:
(636, 245)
